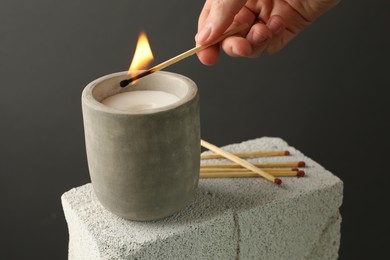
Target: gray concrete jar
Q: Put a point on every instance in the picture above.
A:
(143, 165)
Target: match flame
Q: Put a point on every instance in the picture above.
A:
(142, 56)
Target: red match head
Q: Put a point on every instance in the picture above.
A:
(301, 164)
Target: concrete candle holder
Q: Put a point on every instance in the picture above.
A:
(144, 165)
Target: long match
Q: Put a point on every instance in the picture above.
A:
(247, 154)
(269, 170)
(258, 165)
(247, 174)
(182, 56)
(240, 161)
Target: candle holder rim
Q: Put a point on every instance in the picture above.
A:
(88, 97)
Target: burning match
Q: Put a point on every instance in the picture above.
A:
(182, 56)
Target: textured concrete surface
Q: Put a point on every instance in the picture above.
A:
(247, 218)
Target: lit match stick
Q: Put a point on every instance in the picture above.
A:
(182, 56)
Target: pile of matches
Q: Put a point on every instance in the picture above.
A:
(242, 168)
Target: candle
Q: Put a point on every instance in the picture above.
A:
(138, 156)
(140, 100)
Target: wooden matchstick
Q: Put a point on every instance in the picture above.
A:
(240, 161)
(249, 174)
(258, 165)
(182, 56)
(247, 154)
(269, 170)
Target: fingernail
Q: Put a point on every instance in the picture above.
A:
(203, 34)
(275, 27)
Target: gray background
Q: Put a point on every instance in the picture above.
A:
(325, 94)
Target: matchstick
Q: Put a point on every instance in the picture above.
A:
(247, 154)
(183, 55)
(249, 174)
(258, 165)
(240, 161)
(269, 170)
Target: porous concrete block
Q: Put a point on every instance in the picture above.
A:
(245, 218)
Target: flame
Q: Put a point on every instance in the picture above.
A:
(142, 56)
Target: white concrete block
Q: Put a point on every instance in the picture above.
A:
(248, 218)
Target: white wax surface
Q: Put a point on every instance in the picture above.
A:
(140, 100)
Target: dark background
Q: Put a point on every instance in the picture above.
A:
(325, 94)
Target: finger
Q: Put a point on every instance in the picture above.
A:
(204, 13)
(277, 28)
(259, 37)
(276, 25)
(245, 15)
(283, 29)
(237, 46)
(209, 56)
(254, 41)
(220, 16)
(252, 46)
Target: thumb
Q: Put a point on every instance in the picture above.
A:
(216, 17)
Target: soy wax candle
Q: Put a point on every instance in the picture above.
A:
(143, 143)
(140, 100)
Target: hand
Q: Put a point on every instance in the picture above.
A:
(273, 23)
